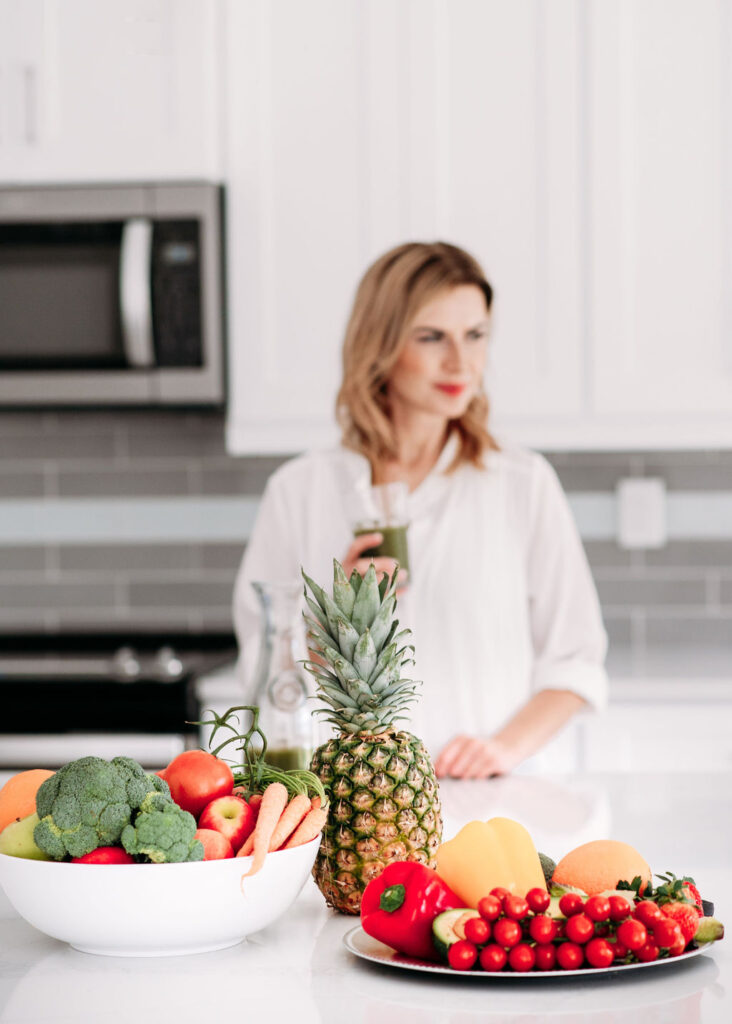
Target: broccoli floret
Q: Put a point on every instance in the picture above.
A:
(163, 835)
(83, 806)
(141, 785)
(89, 801)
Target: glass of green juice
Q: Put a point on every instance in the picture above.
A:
(382, 508)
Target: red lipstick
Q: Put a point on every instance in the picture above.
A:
(451, 389)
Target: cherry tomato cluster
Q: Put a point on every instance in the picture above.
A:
(514, 932)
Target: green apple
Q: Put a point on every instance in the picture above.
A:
(16, 839)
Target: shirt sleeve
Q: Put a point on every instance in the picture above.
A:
(271, 554)
(569, 639)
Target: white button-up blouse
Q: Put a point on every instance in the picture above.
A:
(500, 598)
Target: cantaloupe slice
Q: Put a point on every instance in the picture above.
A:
(599, 865)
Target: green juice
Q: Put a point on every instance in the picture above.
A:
(288, 758)
(393, 544)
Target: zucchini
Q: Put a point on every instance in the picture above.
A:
(449, 927)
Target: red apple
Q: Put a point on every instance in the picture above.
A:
(215, 846)
(231, 816)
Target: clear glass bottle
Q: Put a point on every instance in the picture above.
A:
(281, 687)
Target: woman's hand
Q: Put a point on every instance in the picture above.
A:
(382, 563)
(469, 757)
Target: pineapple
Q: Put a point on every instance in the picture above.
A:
(384, 798)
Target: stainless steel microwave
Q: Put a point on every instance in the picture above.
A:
(112, 295)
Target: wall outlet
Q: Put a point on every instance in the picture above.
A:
(641, 512)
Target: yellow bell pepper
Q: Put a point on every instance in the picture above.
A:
(485, 854)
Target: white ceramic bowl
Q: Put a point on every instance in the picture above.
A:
(155, 909)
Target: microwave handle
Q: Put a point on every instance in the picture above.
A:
(135, 291)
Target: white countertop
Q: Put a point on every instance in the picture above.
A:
(299, 970)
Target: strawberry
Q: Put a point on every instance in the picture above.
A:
(685, 915)
(691, 892)
(682, 890)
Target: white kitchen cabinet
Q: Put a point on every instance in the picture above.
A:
(120, 90)
(352, 127)
(581, 150)
(660, 160)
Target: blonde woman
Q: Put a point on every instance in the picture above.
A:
(507, 627)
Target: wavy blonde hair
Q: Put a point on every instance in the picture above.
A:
(389, 296)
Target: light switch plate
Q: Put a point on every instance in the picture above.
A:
(641, 512)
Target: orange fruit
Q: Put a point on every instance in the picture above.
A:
(18, 795)
(599, 865)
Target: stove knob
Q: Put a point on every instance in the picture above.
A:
(126, 663)
(169, 663)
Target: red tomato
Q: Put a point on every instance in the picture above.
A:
(196, 778)
(105, 855)
(648, 912)
(546, 957)
(477, 931)
(632, 934)
(507, 933)
(579, 928)
(522, 957)
(462, 955)
(489, 908)
(542, 929)
(570, 956)
(666, 933)
(499, 891)
(648, 952)
(571, 903)
(599, 953)
(598, 908)
(538, 900)
(493, 958)
(619, 948)
(515, 907)
(619, 908)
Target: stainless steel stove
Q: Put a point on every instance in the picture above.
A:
(63, 697)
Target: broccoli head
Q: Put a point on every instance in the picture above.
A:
(164, 835)
(88, 803)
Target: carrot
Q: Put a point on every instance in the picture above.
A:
(274, 801)
(291, 817)
(308, 828)
(316, 802)
(248, 846)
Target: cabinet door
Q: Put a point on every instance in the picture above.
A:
(125, 89)
(494, 155)
(371, 124)
(661, 215)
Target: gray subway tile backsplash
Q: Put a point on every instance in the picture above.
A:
(678, 596)
(121, 482)
(640, 592)
(124, 559)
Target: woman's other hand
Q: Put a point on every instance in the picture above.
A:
(469, 757)
(354, 559)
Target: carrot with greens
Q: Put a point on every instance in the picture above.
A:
(291, 817)
(274, 801)
(310, 826)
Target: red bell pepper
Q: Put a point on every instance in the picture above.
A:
(399, 906)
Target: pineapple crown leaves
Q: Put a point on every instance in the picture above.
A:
(358, 649)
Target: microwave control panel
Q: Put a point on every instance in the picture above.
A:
(176, 293)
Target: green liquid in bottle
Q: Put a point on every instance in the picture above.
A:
(393, 545)
(288, 758)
